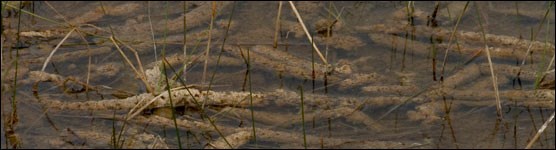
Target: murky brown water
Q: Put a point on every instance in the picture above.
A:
(385, 85)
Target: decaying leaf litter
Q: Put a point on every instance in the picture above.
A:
(357, 83)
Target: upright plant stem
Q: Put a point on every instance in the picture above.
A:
(492, 75)
(217, 66)
(222, 47)
(140, 73)
(185, 41)
(534, 36)
(277, 26)
(303, 117)
(307, 33)
(213, 15)
(451, 38)
(166, 79)
(152, 30)
(251, 97)
(13, 116)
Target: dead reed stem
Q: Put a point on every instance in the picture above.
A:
(540, 131)
(139, 74)
(80, 33)
(277, 26)
(534, 36)
(493, 75)
(152, 30)
(307, 33)
(213, 15)
(452, 37)
(55, 49)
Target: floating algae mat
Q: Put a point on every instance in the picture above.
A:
(278, 75)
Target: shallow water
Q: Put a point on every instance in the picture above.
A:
(385, 90)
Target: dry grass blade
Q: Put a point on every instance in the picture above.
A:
(492, 74)
(550, 64)
(139, 74)
(307, 33)
(55, 49)
(184, 72)
(81, 35)
(32, 14)
(152, 30)
(533, 37)
(2, 57)
(142, 71)
(540, 131)
(452, 36)
(277, 24)
(213, 15)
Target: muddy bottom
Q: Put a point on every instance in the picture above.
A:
(278, 75)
